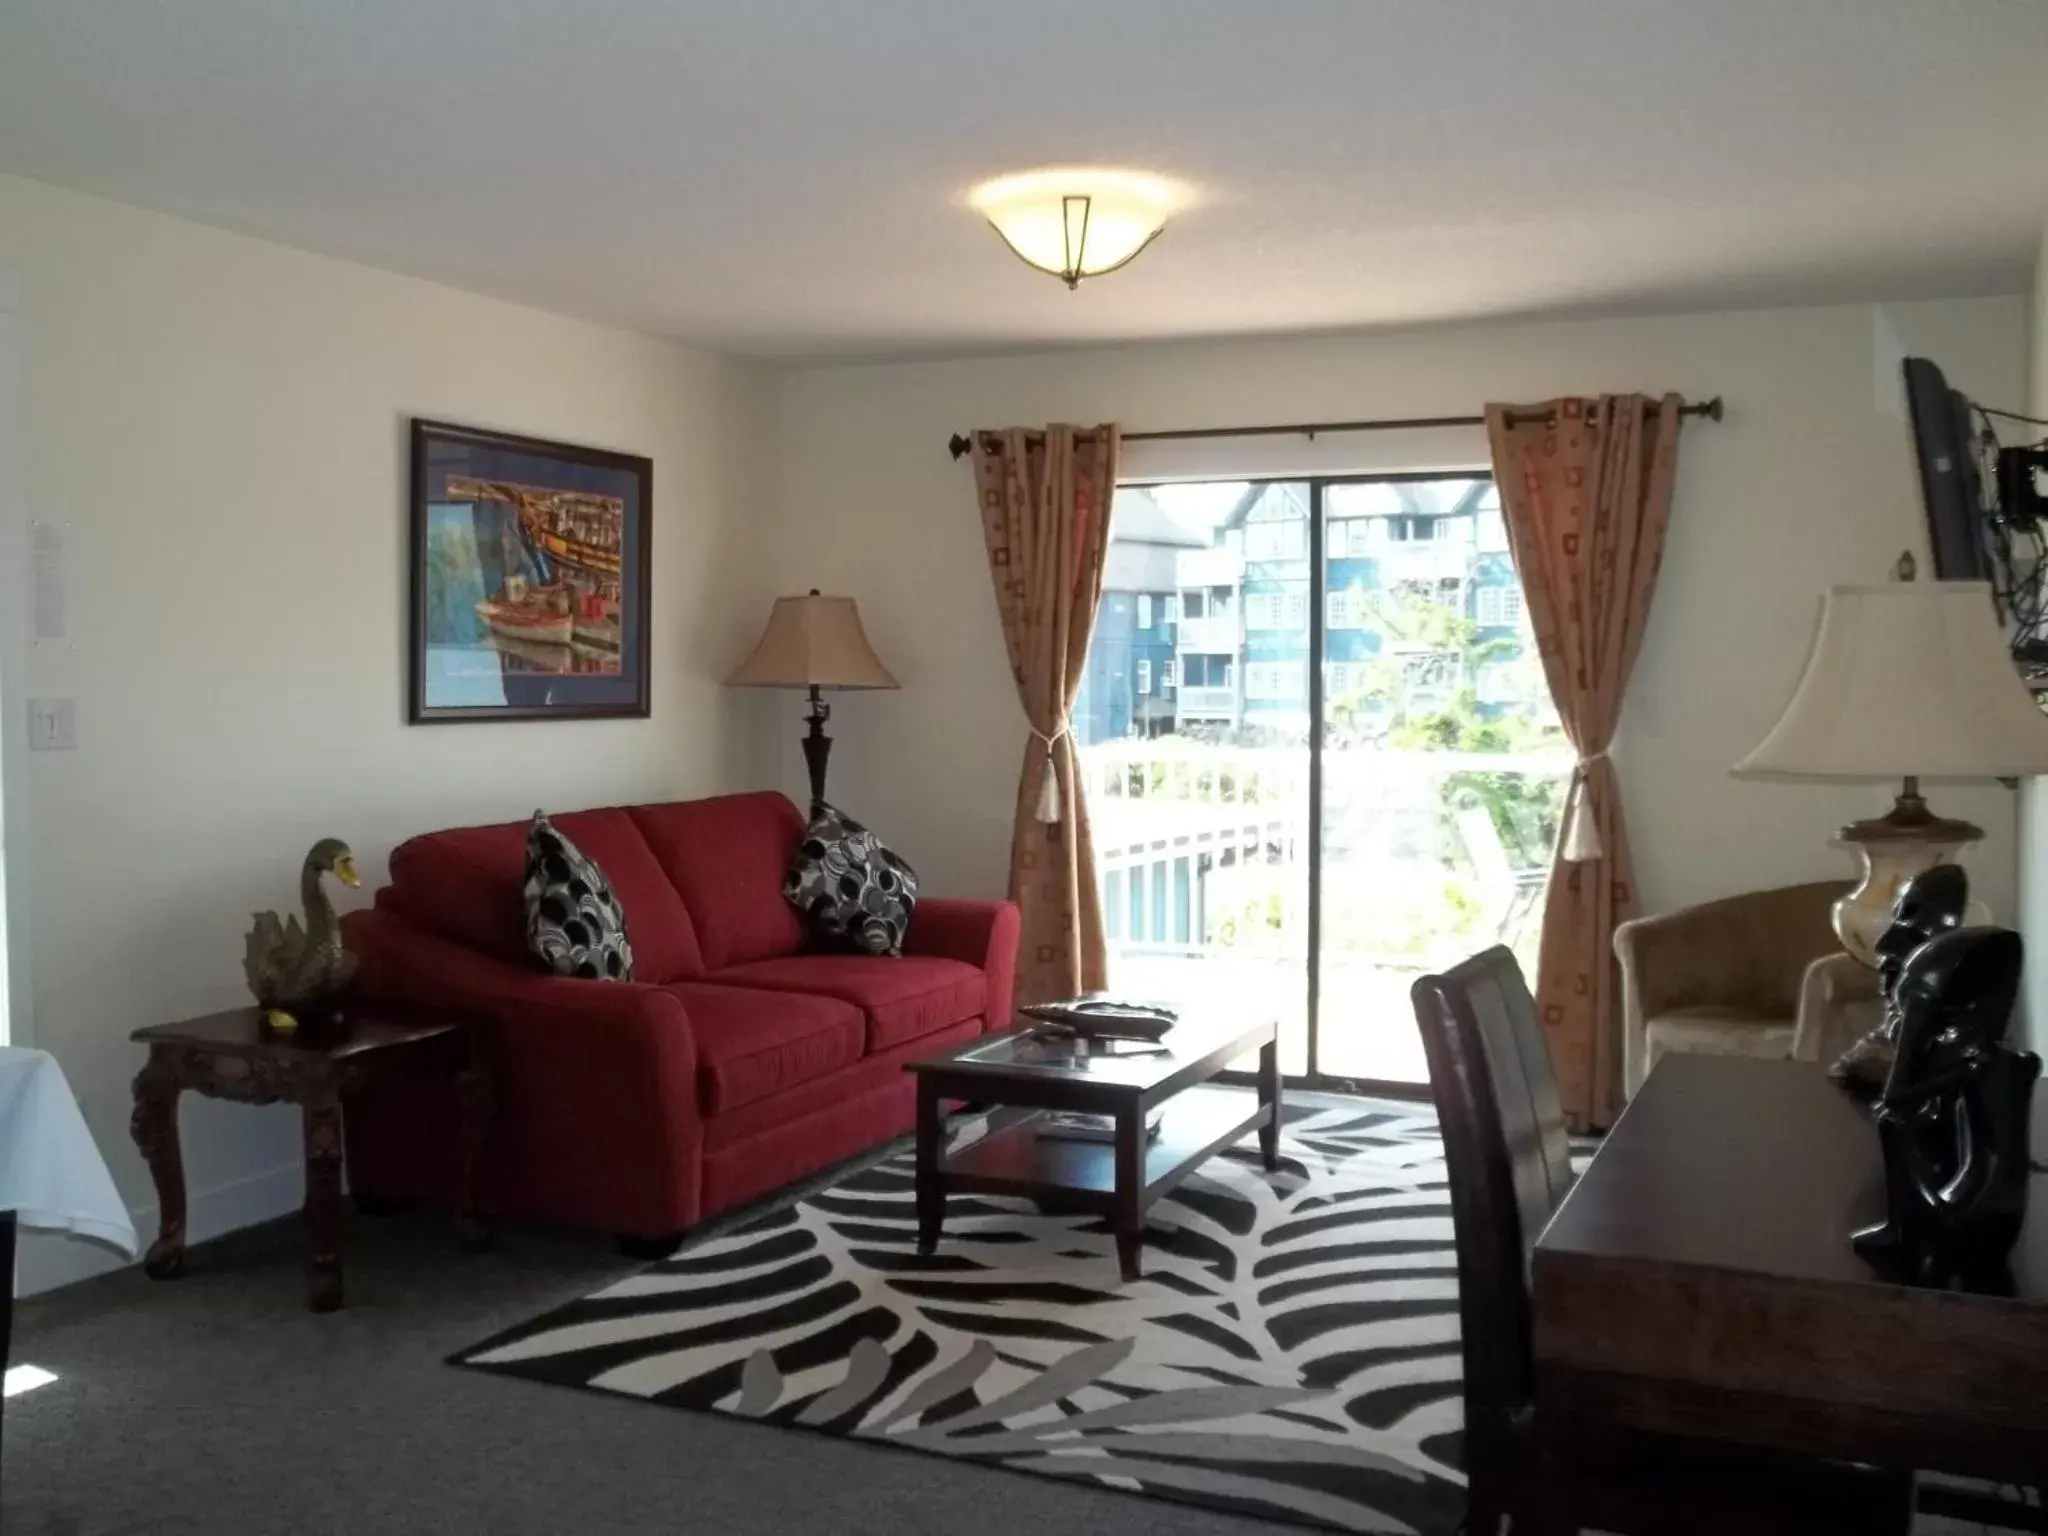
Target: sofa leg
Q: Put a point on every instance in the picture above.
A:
(648, 1249)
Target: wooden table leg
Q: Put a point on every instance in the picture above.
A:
(1129, 1219)
(1269, 1099)
(931, 1140)
(154, 1125)
(477, 1089)
(323, 1197)
(1553, 1481)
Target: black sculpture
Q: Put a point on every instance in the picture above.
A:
(1932, 902)
(1952, 1118)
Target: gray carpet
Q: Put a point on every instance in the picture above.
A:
(217, 1403)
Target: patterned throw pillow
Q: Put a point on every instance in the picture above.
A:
(574, 923)
(851, 890)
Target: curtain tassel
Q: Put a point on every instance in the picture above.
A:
(1048, 810)
(1581, 841)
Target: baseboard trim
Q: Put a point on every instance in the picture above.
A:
(49, 1260)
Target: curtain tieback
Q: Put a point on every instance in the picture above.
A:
(1581, 843)
(1048, 810)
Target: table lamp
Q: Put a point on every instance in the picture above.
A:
(1908, 681)
(813, 642)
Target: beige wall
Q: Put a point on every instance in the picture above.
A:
(219, 424)
(1809, 481)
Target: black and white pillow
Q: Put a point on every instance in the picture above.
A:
(574, 923)
(850, 889)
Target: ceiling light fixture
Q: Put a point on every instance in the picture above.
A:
(1078, 221)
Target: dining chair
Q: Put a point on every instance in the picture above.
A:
(1508, 1157)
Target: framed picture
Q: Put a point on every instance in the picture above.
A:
(530, 591)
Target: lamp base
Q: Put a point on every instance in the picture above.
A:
(817, 747)
(1895, 847)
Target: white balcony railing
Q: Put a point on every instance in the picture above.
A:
(1216, 634)
(1413, 873)
(1206, 703)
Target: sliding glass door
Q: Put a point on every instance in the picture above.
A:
(1319, 753)
(1193, 721)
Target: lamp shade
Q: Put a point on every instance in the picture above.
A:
(813, 642)
(1911, 678)
(1077, 223)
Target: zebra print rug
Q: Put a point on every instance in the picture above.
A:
(1292, 1350)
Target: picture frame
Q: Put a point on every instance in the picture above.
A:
(531, 578)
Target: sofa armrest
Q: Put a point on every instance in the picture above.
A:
(981, 933)
(616, 1058)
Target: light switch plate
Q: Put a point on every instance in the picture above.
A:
(52, 725)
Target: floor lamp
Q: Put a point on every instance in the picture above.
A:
(814, 642)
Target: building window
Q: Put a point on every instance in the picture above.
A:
(1338, 684)
(1191, 605)
(1144, 675)
(1275, 681)
(1353, 538)
(1498, 607)
(1276, 610)
(1276, 539)
(1348, 609)
(1416, 528)
(1144, 610)
(1166, 675)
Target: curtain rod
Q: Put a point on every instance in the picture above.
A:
(962, 445)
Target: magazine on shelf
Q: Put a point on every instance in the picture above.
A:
(1072, 1125)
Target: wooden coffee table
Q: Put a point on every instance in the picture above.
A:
(236, 1055)
(1035, 1070)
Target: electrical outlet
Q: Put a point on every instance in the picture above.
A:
(52, 725)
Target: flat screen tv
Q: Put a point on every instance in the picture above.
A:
(1951, 483)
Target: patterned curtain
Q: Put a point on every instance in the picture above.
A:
(1045, 502)
(1586, 489)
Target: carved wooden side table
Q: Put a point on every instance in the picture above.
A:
(235, 1055)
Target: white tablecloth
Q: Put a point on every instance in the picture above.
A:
(51, 1173)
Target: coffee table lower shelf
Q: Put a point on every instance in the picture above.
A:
(1061, 1173)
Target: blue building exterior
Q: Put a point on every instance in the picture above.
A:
(1245, 605)
(1130, 684)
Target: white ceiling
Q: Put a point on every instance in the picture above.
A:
(784, 177)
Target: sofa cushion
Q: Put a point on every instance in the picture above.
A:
(752, 1043)
(575, 923)
(852, 890)
(468, 886)
(727, 856)
(1716, 1031)
(904, 996)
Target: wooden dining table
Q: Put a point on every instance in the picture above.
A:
(1698, 1281)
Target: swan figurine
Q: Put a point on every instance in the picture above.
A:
(290, 967)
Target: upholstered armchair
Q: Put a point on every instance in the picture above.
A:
(1722, 978)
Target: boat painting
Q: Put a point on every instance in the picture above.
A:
(531, 567)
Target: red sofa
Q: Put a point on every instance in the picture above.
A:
(733, 1063)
